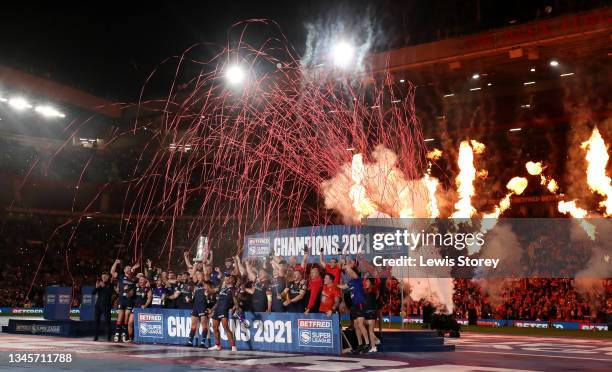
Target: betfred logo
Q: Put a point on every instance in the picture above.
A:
(315, 333)
(314, 323)
(258, 246)
(593, 327)
(149, 317)
(151, 325)
(530, 325)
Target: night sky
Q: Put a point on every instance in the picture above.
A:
(109, 48)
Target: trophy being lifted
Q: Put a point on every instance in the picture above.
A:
(202, 249)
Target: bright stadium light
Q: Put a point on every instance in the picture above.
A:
(49, 112)
(554, 63)
(343, 54)
(19, 103)
(235, 74)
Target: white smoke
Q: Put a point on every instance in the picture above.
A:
(385, 184)
(394, 196)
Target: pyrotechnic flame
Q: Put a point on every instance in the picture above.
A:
(362, 205)
(597, 157)
(552, 186)
(465, 180)
(483, 173)
(432, 185)
(517, 185)
(573, 210)
(534, 168)
(477, 146)
(542, 180)
(434, 154)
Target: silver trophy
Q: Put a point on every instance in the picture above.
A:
(202, 249)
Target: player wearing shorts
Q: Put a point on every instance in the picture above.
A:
(370, 287)
(225, 303)
(203, 301)
(142, 299)
(125, 286)
(355, 285)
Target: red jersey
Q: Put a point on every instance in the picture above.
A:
(328, 297)
(314, 286)
(336, 272)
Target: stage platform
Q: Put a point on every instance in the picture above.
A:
(62, 328)
(403, 340)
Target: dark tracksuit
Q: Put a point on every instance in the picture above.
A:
(103, 307)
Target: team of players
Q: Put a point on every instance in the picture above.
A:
(274, 285)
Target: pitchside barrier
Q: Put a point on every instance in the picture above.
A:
(281, 332)
(584, 325)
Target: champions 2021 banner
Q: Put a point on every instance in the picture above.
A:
(334, 240)
(281, 332)
(451, 247)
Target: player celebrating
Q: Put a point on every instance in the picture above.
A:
(203, 302)
(126, 286)
(355, 285)
(371, 310)
(262, 294)
(159, 293)
(295, 294)
(330, 296)
(142, 299)
(225, 303)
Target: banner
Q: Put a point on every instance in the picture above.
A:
(88, 303)
(443, 247)
(333, 240)
(37, 311)
(57, 303)
(280, 332)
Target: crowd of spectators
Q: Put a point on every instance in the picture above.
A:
(97, 243)
(542, 299)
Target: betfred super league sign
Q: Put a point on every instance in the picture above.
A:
(280, 332)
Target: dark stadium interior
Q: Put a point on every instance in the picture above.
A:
(64, 215)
